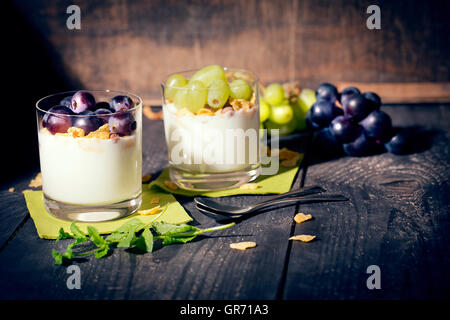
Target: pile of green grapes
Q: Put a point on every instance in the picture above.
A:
(284, 107)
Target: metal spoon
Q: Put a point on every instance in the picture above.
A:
(211, 206)
(208, 203)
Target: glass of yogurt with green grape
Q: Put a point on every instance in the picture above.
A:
(90, 148)
(211, 123)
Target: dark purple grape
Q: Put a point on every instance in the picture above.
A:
(373, 100)
(401, 142)
(67, 101)
(309, 123)
(328, 92)
(57, 119)
(119, 103)
(122, 123)
(363, 146)
(82, 101)
(347, 92)
(326, 144)
(322, 112)
(344, 130)
(356, 107)
(87, 120)
(103, 114)
(377, 125)
(102, 105)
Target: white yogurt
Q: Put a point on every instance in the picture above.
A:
(221, 143)
(90, 170)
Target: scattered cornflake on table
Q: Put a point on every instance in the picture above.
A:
(154, 201)
(301, 217)
(148, 112)
(302, 237)
(36, 182)
(146, 178)
(171, 185)
(249, 186)
(11, 189)
(243, 245)
(151, 211)
(289, 158)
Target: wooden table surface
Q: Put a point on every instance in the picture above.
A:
(398, 219)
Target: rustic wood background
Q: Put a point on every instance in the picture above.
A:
(132, 45)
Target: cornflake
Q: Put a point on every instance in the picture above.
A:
(151, 211)
(301, 217)
(243, 245)
(303, 238)
(171, 185)
(148, 112)
(100, 133)
(36, 182)
(154, 201)
(249, 186)
(75, 132)
(26, 190)
(146, 178)
(11, 189)
(205, 111)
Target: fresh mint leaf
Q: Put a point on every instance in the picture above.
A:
(129, 240)
(95, 237)
(63, 235)
(57, 256)
(145, 241)
(131, 225)
(164, 228)
(169, 239)
(77, 233)
(103, 251)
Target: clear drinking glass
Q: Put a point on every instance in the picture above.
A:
(90, 176)
(212, 149)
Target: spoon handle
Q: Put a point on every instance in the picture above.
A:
(316, 198)
(297, 192)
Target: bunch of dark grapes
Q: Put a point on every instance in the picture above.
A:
(352, 122)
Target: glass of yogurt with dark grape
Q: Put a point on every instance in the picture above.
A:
(90, 148)
(211, 122)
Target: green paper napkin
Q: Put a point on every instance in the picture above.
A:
(275, 184)
(48, 226)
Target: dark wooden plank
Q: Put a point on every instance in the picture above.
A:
(12, 214)
(397, 219)
(133, 45)
(204, 269)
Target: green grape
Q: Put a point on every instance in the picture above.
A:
(264, 110)
(281, 114)
(180, 97)
(306, 99)
(174, 82)
(196, 95)
(274, 94)
(208, 74)
(240, 89)
(284, 128)
(299, 115)
(218, 93)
